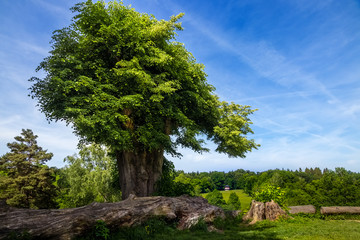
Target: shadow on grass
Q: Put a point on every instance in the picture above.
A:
(256, 232)
(160, 229)
(234, 232)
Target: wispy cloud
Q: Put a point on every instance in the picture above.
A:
(266, 61)
(57, 8)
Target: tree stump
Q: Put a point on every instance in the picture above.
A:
(260, 211)
(69, 223)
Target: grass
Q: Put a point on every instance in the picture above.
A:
(245, 200)
(298, 228)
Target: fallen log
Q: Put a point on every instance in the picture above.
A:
(302, 209)
(69, 223)
(260, 211)
(340, 210)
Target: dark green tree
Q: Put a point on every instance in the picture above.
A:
(120, 79)
(234, 202)
(167, 186)
(26, 182)
(218, 178)
(215, 198)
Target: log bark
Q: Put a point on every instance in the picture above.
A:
(260, 211)
(302, 209)
(340, 210)
(69, 223)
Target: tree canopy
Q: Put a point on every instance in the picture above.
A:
(120, 79)
(117, 76)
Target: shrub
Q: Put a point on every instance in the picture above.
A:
(234, 202)
(268, 193)
(215, 198)
(166, 186)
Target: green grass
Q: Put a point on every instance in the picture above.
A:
(299, 228)
(311, 229)
(245, 200)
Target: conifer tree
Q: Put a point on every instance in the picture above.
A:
(234, 201)
(26, 182)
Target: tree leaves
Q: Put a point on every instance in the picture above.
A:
(112, 60)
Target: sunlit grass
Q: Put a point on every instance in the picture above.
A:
(296, 229)
(245, 199)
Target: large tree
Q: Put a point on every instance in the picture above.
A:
(26, 182)
(120, 79)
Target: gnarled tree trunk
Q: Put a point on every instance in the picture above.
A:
(256, 212)
(260, 211)
(72, 222)
(139, 171)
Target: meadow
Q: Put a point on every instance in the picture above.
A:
(244, 198)
(299, 228)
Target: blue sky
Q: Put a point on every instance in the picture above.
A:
(296, 61)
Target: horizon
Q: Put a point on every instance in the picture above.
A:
(297, 62)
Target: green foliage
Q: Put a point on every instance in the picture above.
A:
(199, 226)
(99, 231)
(244, 199)
(234, 202)
(298, 227)
(169, 186)
(153, 228)
(215, 198)
(24, 235)
(25, 181)
(268, 193)
(90, 177)
(120, 78)
(218, 179)
(312, 186)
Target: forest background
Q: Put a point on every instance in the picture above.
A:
(91, 175)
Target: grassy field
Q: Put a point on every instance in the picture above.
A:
(305, 227)
(298, 228)
(245, 200)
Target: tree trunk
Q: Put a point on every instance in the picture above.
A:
(139, 171)
(302, 209)
(340, 210)
(260, 211)
(72, 222)
(273, 211)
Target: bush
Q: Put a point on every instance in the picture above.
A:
(216, 198)
(166, 186)
(199, 226)
(268, 193)
(99, 231)
(234, 202)
(150, 229)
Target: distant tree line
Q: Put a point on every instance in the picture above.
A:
(310, 186)
(91, 175)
